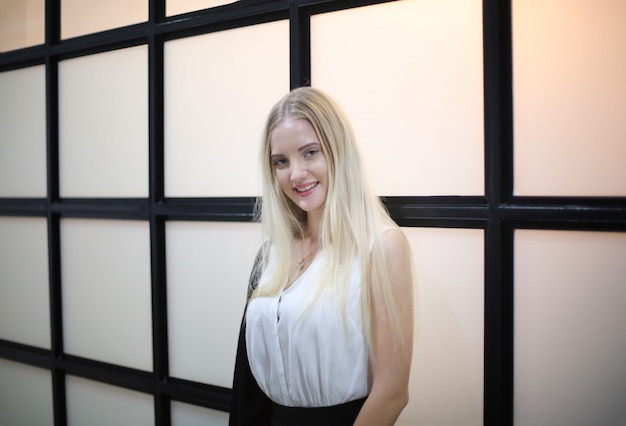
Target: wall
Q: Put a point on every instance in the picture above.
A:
(410, 75)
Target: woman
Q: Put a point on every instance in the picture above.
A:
(326, 338)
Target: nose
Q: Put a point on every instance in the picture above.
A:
(298, 172)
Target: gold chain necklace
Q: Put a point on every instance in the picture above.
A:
(300, 263)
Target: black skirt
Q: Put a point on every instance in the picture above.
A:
(336, 415)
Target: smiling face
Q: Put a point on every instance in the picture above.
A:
(299, 165)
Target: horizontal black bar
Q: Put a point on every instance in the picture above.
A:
(114, 208)
(21, 58)
(203, 21)
(321, 6)
(115, 375)
(209, 396)
(23, 207)
(235, 209)
(571, 202)
(574, 213)
(25, 354)
(445, 212)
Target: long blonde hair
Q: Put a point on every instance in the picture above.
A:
(353, 219)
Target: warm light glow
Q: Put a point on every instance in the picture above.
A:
(21, 24)
(215, 107)
(80, 17)
(570, 311)
(569, 97)
(409, 75)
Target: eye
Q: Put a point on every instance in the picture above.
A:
(280, 163)
(311, 152)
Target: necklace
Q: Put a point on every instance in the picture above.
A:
(300, 263)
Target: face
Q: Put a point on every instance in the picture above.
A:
(299, 164)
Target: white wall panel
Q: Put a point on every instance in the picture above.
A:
(103, 124)
(208, 266)
(192, 415)
(23, 132)
(409, 76)
(219, 89)
(98, 404)
(570, 344)
(446, 385)
(24, 289)
(26, 395)
(106, 291)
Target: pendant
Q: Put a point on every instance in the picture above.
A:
(300, 265)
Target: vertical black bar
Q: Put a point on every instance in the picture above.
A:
(498, 82)
(53, 35)
(497, 50)
(157, 225)
(299, 46)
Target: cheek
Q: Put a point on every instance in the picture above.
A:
(282, 179)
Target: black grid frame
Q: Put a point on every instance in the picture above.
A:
(498, 212)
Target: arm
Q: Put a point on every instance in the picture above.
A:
(390, 363)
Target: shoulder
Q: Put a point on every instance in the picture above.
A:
(394, 244)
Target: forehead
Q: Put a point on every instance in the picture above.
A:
(292, 134)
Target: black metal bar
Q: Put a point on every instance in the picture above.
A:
(162, 409)
(498, 211)
(23, 207)
(235, 209)
(565, 212)
(299, 47)
(498, 354)
(222, 18)
(215, 397)
(53, 35)
(25, 354)
(103, 208)
(323, 6)
(498, 113)
(115, 375)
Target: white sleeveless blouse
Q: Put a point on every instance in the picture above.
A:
(312, 360)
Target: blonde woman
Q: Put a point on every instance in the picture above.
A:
(327, 334)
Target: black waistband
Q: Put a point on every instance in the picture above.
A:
(335, 415)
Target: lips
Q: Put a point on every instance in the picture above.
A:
(305, 189)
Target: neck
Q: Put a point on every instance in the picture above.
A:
(313, 226)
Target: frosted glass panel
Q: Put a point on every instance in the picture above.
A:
(79, 17)
(106, 291)
(103, 130)
(175, 7)
(21, 23)
(24, 302)
(192, 415)
(570, 345)
(409, 76)
(98, 404)
(447, 373)
(219, 89)
(569, 97)
(26, 395)
(23, 133)
(208, 266)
